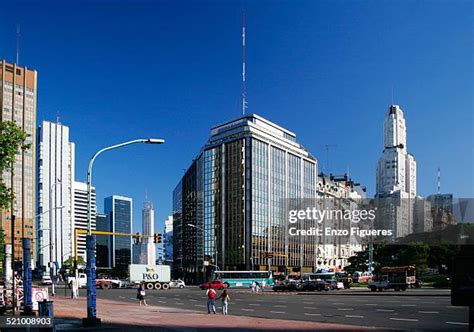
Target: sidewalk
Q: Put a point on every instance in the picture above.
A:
(120, 316)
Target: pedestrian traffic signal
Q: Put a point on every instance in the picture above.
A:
(137, 237)
(157, 238)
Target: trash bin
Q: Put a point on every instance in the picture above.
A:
(46, 309)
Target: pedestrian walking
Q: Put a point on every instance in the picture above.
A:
(225, 298)
(211, 300)
(141, 294)
(75, 288)
(264, 283)
(253, 286)
(257, 286)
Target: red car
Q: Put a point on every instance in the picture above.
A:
(216, 284)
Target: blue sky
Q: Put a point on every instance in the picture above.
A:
(118, 70)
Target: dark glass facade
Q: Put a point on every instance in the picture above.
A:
(236, 193)
(119, 214)
(103, 242)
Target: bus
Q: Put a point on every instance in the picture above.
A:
(244, 278)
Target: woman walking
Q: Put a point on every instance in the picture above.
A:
(141, 294)
(225, 298)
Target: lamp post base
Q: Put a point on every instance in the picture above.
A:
(91, 322)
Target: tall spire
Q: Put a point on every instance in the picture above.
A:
(18, 44)
(244, 87)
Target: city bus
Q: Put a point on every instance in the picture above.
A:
(244, 278)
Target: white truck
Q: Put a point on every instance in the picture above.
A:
(101, 283)
(153, 276)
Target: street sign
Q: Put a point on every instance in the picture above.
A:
(39, 295)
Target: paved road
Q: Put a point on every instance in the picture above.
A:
(393, 311)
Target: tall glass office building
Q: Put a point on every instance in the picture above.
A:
(229, 207)
(119, 214)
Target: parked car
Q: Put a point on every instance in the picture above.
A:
(215, 284)
(46, 280)
(315, 286)
(286, 287)
(177, 283)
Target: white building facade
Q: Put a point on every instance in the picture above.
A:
(396, 177)
(80, 215)
(55, 194)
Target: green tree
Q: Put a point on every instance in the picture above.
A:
(69, 263)
(12, 141)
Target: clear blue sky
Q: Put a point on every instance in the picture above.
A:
(116, 70)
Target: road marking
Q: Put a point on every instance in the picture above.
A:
(405, 319)
(338, 303)
(345, 309)
(259, 300)
(277, 312)
(162, 301)
(371, 304)
(179, 303)
(428, 302)
(354, 316)
(408, 305)
(309, 308)
(428, 312)
(309, 314)
(247, 309)
(451, 307)
(457, 323)
(308, 302)
(384, 310)
(133, 298)
(122, 297)
(192, 300)
(280, 306)
(200, 305)
(254, 304)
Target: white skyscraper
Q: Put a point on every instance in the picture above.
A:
(148, 224)
(80, 215)
(396, 176)
(55, 193)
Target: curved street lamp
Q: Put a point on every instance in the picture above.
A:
(92, 319)
(215, 242)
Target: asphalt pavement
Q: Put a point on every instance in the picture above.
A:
(421, 309)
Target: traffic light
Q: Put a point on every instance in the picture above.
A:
(137, 237)
(157, 238)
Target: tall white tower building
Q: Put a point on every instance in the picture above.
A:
(396, 176)
(55, 193)
(148, 224)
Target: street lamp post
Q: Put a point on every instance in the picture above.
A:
(51, 268)
(92, 319)
(215, 243)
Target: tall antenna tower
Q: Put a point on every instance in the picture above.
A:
(17, 44)
(244, 87)
(439, 180)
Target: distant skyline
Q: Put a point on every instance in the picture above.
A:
(118, 70)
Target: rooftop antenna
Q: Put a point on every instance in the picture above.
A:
(18, 44)
(244, 88)
(327, 147)
(439, 180)
(392, 94)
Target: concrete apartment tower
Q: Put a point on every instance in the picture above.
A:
(80, 215)
(55, 194)
(18, 91)
(396, 177)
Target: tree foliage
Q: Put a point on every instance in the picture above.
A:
(69, 263)
(13, 140)
(421, 255)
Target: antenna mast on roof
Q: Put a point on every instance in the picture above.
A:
(17, 44)
(439, 180)
(244, 88)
